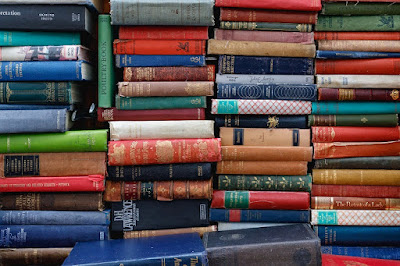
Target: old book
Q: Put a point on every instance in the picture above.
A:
(225, 226)
(383, 162)
(385, 66)
(252, 216)
(328, 94)
(274, 4)
(261, 121)
(359, 45)
(355, 191)
(163, 232)
(151, 103)
(264, 79)
(324, 54)
(92, 4)
(355, 217)
(159, 47)
(346, 260)
(359, 8)
(32, 256)
(354, 108)
(262, 167)
(354, 203)
(23, 38)
(163, 33)
(358, 23)
(133, 60)
(354, 134)
(372, 120)
(388, 253)
(266, 153)
(113, 114)
(358, 81)
(267, 26)
(329, 35)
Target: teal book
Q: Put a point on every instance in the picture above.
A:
(352, 108)
(24, 38)
(149, 103)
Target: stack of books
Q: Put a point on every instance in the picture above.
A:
(265, 88)
(356, 178)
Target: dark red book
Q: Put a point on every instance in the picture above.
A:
(386, 66)
(329, 94)
(337, 260)
(206, 73)
(160, 47)
(163, 33)
(355, 191)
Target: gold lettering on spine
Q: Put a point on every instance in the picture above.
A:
(164, 151)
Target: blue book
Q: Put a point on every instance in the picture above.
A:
(262, 121)
(181, 249)
(55, 217)
(159, 60)
(386, 253)
(353, 108)
(44, 236)
(359, 235)
(34, 107)
(353, 55)
(46, 70)
(267, 91)
(237, 64)
(270, 216)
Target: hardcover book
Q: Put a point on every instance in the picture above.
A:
(164, 232)
(272, 4)
(23, 38)
(163, 33)
(113, 114)
(356, 191)
(265, 153)
(268, 216)
(388, 253)
(136, 60)
(261, 121)
(382, 162)
(347, 260)
(355, 217)
(31, 256)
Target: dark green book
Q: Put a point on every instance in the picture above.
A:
(234, 25)
(358, 23)
(385, 162)
(358, 8)
(384, 120)
(147, 103)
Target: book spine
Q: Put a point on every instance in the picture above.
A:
(260, 107)
(158, 190)
(260, 200)
(265, 183)
(31, 256)
(327, 35)
(259, 153)
(287, 5)
(341, 9)
(358, 81)
(355, 191)
(347, 134)
(355, 217)
(34, 107)
(343, 260)
(388, 253)
(264, 79)
(230, 64)
(220, 47)
(357, 203)
(270, 216)
(268, 121)
(264, 137)
(113, 114)
(21, 38)
(159, 60)
(151, 233)
(43, 236)
(163, 33)
(262, 168)
(384, 120)
(160, 47)
(174, 88)
(267, 26)
(170, 73)
(358, 23)
(163, 151)
(387, 66)
(149, 103)
(350, 108)
(328, 94)
(360, 45)
(353, 54)
(267, 91)
(385, 162)
(162, 172)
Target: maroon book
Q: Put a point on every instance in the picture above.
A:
(356, 191)
(328, 94)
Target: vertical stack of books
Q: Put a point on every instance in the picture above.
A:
(50, 177)
(265, 88)
(159, 175)
(356, 180)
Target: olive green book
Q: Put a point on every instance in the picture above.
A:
(359, 8)
(358, 23)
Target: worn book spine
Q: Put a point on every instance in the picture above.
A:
(264, 182)
(358, 81)
(113, 114)
(161, 172)
(328, 35)
(384, 120)
(259, 15)
(388, 253)
(351, 108)
(355, 217)
(356, 177)
(262, 167)
(275, 4)
(267, 26)
(52, 164)
(354, 203)
(267, 91)
(151, 103)
(354, 55)
(386, 66)
(23, 38)
(19, 107)
(158, 190)
(231, 64)
(345, 260)
(52, 201)
(53, 184)
(247, 48)
(358, 23)
(164, 232)
(348, 134)
(174, 88)
(70, 141)
(264, 36)
(268, 153)
(360, 45)
(264, 79)
(385, 162)
(206, 73)
(159, 47)
(260, 200)
(128, 60)
(32, 256)
(330, 94)
(163, 33)
(354, 8)
(264, 137)
(164, 151)
(269, 216)
(355, 191)
(260, 107)
(262, 121)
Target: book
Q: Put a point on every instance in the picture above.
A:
(358, 23)
(358, 81)
(355, 217)
(261, 121)
(264, 79)
(95, 4)
(369, 120)
(30, 256)
(131, 215)
(260, 200)
(160, 250)
(151, 103)
(352, 8)
(388, 253)
(357, 203)
(331, 35)
(159, 47)
(287, 245)
(383, 162)
(267, 26)
(355, 191)
(163, 33)
(267, 216)
(352, 54)
(262, 167)
(354, 134)
(384, 66)
(127, 60)
(330, 94)
(23, 38)
(164, 232)
(359, 45)
(113, 114)
(345, 260)
(225, 226)
(287, 5)
(350, 108)
(19, 107)
(266, 153)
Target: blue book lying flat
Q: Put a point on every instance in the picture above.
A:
(262, 121)
(159, 60)
(181, 249)
(353, 55)
(385, 253)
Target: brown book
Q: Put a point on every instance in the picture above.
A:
(264, 137)
(33, 256)
(206, 73)
(163, 232)
(262, 167)
(354, 203)
(262, 153)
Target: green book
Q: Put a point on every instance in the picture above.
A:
(233, 25)
(21, 38)
(70, 141)
(358, 23)
(147, 103)
(383, 120)
(358, 8)
(106, 65)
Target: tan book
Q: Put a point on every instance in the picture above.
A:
(33, 256)
(265, 153)
(163, 232)
(360, 45)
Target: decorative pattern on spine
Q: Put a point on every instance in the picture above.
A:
(206, 73)
(262, 167)
(355, 217)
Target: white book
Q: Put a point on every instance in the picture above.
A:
(264, 79)
(358, 81)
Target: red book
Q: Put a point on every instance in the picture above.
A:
(113, 114)
(343, 134)
(387, 1)
(53, 184)
(329, 94)
(160, 47)
(386, 66)
(355, 191)
(153, 151)
(162, 33)
(337, 260)
(260, 200)
(305, 5)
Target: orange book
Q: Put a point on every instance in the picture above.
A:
(262, 167)
(332, 35)
(386, 66)
(160, 47)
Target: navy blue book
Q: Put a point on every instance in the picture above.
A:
(261, 121)
(55, 217)
(385, 253)
(359, 235)
(353, 55)
(270, 216)
(44, 236)
(237, 64)
(160, 172)
(159, 60)
(181, 249)
(46, 70)
(34, 107)
(267, 91)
